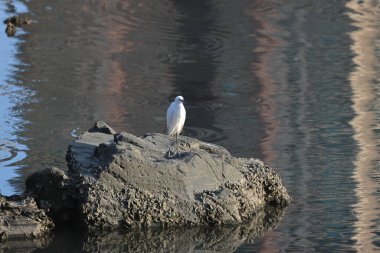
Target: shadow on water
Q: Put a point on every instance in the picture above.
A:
(210, 239)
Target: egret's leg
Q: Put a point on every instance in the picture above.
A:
(177, 144)
(170, 145)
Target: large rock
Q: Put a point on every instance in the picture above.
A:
(120, 180)
(21, 218)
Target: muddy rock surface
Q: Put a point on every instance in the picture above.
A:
(20, 218)
(121, 180)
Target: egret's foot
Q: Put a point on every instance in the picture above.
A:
(170, 154)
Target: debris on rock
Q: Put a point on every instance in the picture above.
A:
(13, 22)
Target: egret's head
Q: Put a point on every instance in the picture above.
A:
(179, 99)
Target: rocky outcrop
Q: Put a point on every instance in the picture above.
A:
(13, 22)
(21, 218)
(120, 180)
(55, 194)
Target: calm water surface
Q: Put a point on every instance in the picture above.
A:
(294, 83)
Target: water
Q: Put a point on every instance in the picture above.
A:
(294, 83)
(12, 94)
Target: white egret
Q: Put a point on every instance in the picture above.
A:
(175, 119)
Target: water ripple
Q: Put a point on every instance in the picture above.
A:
(10, 153)
(205, 134)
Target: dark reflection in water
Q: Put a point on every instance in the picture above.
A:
(294, 83)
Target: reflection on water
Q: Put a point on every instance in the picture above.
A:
(365, 80)
(304, 65)
(206, 239)
(12, 95)
(294, 83)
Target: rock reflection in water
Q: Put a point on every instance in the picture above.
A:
(224, 239)
(23, 245)
(218, 239)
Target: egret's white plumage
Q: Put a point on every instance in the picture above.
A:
(175, 118)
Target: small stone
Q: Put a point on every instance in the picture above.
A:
(17, 20)
(102, 127)
(3, 236)
(10, 30)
